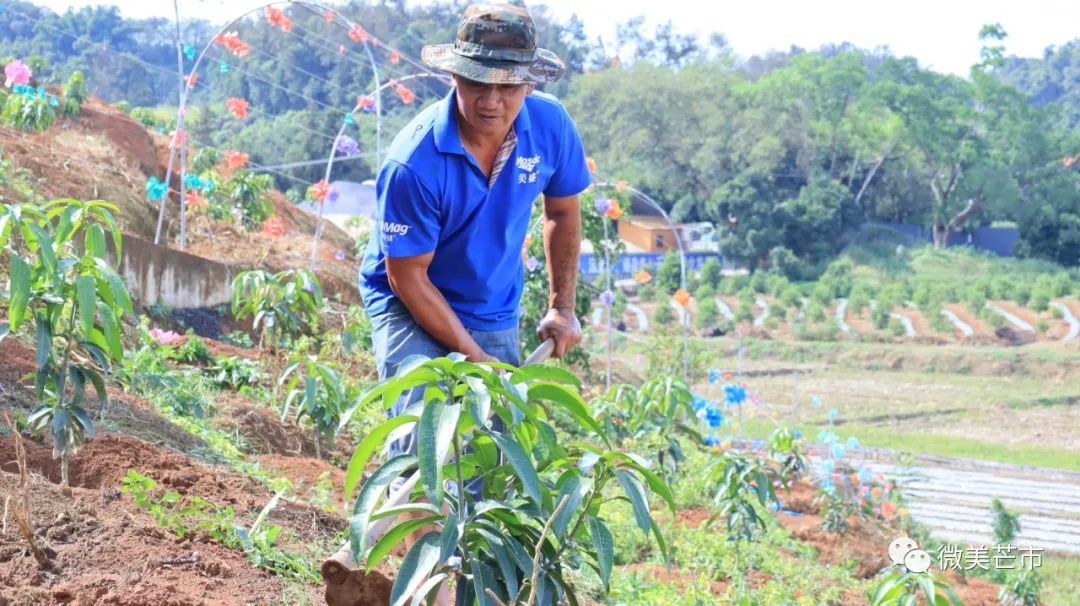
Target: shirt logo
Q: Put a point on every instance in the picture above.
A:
(528, 164)
(391, 229)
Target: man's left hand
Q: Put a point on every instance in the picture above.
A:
(563, 326)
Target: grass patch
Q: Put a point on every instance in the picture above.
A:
(945, 446)
(1062, 576)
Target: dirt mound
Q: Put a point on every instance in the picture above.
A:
(128, 136)
(74, 159)
(865, 543)
(103, 461)
(16, 361)
(305, 473)
(265, 433)
(107, 551)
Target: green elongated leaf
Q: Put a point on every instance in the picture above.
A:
(44, 342)
(480, 407)
(428, 588)
(451, 534)
(86, 295)
(395, 535)
(521, 463)
(605, 548)
(953, 598)
(78, 379)
(112, 333)
(636, 493)
(535, 372)
(95, 241)
(427, 451)
(84, 420)
(20, 291)
(884, 590)
(926, 583)
(369, 496)
(569, 400)
(506, 566)
(116, 285)
(45, 247)
(311, 393)
(484, 579)
(661, 542)
(67, 223)
(60, 419)
(387, 512)
(287, 372)
(910, 600)
(99, 385)
(5, 227)
(98, 354)
(415, 568)
(574, 490)
(655, 482)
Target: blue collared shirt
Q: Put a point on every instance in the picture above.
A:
(433, 197)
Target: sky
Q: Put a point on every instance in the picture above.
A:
(941, 34)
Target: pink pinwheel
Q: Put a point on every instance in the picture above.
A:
(16, 72)
(395, 57)
(164, 337)
(329, 16)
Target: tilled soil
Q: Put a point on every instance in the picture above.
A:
(108, 551)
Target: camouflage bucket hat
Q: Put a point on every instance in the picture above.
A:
(496, 43)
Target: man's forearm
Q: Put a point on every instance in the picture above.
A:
(431, 311)
(562, 243)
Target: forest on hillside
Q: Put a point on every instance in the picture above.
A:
(791, 154)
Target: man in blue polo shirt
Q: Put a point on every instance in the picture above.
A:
(444, 271)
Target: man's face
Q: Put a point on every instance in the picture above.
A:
(489, 109)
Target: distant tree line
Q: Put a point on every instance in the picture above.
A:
(790, 154)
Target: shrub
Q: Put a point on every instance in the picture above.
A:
(710, 272)
(822, 294)
(536, 516)
(1040, 298)
(647, 292)
(59, 278)
(75, 93)
(815, 313)
(284, 306)
(663, 314)
(247, 192)
(744, 311)
(29, 110)
(707, 313)
(669, 274)
(704, 292)
(790, 296)
(784, 262)
(838, 277)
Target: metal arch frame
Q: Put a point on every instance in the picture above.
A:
(186, 88)
(378, 152)
(682, 276)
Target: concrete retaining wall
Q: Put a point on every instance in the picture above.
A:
(155, 274)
